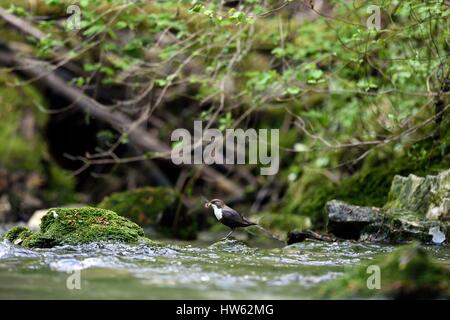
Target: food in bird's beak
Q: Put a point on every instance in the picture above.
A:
(207, 205)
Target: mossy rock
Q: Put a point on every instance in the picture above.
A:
(426, 196)
(73, 226)
(156, 206)
(415, 205)
(408, 273)
(390, 225)
(18, 234)
(371, 184)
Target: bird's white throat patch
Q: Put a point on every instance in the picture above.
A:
(217, 212)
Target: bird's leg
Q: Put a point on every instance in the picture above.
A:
(229, 234)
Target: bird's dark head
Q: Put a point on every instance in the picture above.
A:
(217, 202)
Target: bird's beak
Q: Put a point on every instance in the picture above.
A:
(207, 204)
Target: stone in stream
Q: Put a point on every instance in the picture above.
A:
(417, 209)
(407, 273)
(346, 221)
(73, 226)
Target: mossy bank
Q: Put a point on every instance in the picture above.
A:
(30, 179)
(407, 273)
(73, 226)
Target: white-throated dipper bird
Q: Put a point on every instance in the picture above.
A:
(228, 216)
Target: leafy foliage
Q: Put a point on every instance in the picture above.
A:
(356, 105)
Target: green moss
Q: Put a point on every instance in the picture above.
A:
(422, 196)
(156, 206)
(61, 226)
(407, 272)
(415, 205)
(141, 205)
(368, 187)
(17, 232)
(307, 197)
(411, 193)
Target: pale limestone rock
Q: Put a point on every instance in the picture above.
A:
(35, 219)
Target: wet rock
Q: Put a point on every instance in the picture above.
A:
(156, 206)
(72, 226)
(347, 221)
(416, 206)
(407, 273)
(400, 226)
(295, 236)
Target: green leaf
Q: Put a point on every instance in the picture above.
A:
(95, 29)
(293, 90)
(121, 25)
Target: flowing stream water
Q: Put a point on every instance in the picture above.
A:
(224, 270)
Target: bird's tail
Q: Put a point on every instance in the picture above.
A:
(267, 232)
